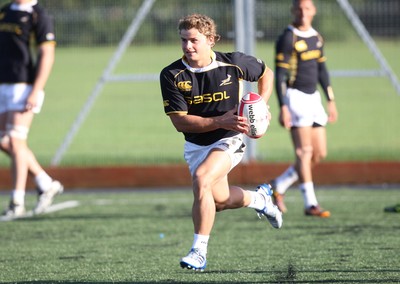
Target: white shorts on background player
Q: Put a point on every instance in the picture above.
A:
(13, 97)
(195, 154)
(305, 109)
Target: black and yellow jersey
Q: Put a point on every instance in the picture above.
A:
(209, 91)
(300, 62)
(21, 28)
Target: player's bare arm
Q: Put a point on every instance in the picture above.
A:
(198, 124)
(266, 84)
(332, 111)
(285, 118)
(265, 87)
(47, 54)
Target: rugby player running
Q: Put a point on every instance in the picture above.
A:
(201, 92)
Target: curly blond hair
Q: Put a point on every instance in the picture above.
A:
(202, 23)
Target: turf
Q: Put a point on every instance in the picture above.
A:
(139, 236)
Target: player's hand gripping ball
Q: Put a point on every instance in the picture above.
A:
(253, 107)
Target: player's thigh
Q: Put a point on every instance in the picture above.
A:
(301, 136)
(319, 142)
(214, 167)
(212, 175)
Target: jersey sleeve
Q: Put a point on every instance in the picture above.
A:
(323, 76)
(283, 52)
(44, 27)
(325, 81)
(284, 49)
(253, 68)
(173, 100)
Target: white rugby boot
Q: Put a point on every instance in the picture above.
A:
(195, 260)
(14, 211)
(45, 198)
(270, 211)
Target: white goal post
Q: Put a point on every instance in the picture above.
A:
(370, 43)
(107, 77)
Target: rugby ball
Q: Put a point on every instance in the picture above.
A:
(253, 107)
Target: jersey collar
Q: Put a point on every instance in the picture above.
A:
(212, 65)
(305, 34)
(27, 7)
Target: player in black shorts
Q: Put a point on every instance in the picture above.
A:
(299, 67)
(201, 92)
(24, 27)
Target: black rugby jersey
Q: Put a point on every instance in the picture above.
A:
(21, 28)
(300, 53)
(209, 91)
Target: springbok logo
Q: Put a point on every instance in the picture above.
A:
(226, 81)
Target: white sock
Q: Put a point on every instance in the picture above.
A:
(257, 200)
(285, 180)
(43, 181)
(18, 197)
(307, 189)
(200, 242)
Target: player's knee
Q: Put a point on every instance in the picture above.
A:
(223, 204)
(201, 182)
(17, 137)
(17, 132)
(304, 153)
(318, 157)
(220, 207)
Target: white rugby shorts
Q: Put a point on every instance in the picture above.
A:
(13, 97)
(305, 109)
(195, 154)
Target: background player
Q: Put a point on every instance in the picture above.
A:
(201, 92)
(24, 25)
(299, 67)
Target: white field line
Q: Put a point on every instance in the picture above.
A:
(51, 209)
(150, 201)
(62, 206)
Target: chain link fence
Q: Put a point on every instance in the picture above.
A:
(103, 22)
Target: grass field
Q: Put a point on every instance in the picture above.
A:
(128, 126)
(139, 237)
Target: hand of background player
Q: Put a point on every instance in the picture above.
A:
(285, 119)
(332, 112)
(31, 102)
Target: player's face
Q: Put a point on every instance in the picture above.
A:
(304, 12)
(196, 47)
